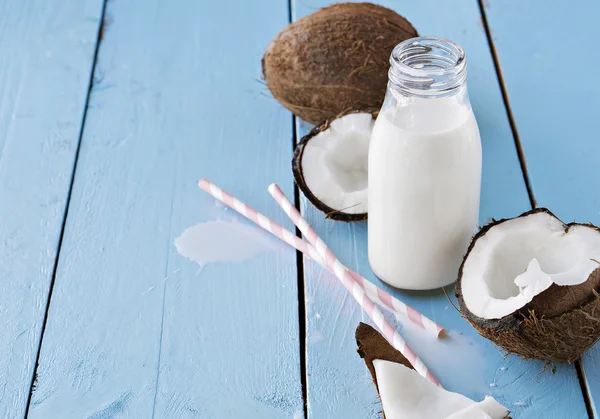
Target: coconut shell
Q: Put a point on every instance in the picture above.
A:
(334, 60)
(329, 212)
(372, 345)
(559, 324)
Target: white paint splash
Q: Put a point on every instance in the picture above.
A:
(298, 415)
(455, 355)
(223, 241)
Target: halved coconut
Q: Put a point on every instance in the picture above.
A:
(529, 284)
(330, 166)
(407, 395)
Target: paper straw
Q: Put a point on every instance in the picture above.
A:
(343, 274)
(396, 306)
(377, 294)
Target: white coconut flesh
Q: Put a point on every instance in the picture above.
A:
(405, 394)
(334, 163)
(522, 257)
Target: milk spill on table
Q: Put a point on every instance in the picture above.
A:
(459, 357)
(223, 241)
(424, 181)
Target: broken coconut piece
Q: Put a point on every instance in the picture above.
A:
(330, 166)
(405, 394)
(529, 284)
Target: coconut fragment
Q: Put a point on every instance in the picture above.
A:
(533, 281)
(530, 283)
(330, 166)
(405, 394)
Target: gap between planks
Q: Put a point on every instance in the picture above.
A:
(301, 293)
(511, 119)
(584, 389)
(513, 126)
(300, 269)
(99, 35)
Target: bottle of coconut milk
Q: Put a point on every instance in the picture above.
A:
(424, 168)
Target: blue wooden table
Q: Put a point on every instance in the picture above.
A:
(111, 110)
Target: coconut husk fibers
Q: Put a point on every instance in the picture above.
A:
(559, 324)
(334, 60)
(331, 213)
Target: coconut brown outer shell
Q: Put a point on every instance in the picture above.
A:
(372, 345)
(559, 324)
(557, 300)
(562, 338)
(334, 60)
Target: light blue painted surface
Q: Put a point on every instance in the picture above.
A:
(550, 72)
(46, 55)
(338, 383)
(177, 98)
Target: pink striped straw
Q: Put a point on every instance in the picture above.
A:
(395, 305)
(343, 274)
(373, 291)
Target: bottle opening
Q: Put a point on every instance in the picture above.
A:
(427, 66)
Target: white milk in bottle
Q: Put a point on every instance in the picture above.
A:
(424, 168)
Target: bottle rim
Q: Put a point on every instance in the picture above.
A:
(427, 66)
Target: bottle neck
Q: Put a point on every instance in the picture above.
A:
(427, 67)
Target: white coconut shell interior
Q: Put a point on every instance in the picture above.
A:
(522, 257)
(407, 395)
(334, 163)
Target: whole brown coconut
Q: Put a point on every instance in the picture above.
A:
(559, 324)
(334, 60)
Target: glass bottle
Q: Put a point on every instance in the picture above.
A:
(424, 168)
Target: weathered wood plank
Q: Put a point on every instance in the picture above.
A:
(338, 383)
(555, 106)
(46, 56)
(176, 98)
